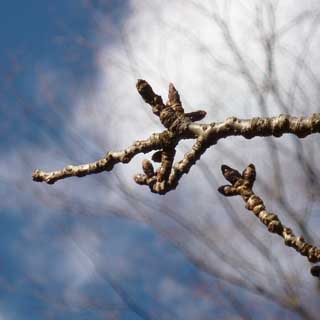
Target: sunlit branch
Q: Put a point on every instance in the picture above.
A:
(181, 125)
(242, 184)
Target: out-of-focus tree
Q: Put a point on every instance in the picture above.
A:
(231, 58)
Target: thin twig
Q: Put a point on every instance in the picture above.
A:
(242, 184)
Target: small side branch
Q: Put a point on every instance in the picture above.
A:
(155, 142)
(242, 184)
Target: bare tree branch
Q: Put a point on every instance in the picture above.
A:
(242, 184)
(180, 126)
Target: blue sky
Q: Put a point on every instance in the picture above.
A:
(61, 35)
(100, 247)
(37, 33)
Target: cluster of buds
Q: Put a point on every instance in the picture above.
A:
(172, 117)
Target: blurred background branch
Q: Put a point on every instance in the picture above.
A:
(102, 248)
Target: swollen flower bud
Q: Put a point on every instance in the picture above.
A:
(196, 115)
(147, 168)
(156, 157)
(315, 271)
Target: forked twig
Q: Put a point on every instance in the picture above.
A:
(242, 184)
(180, 125)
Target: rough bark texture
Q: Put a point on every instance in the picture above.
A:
(242, 184)
(180, 125)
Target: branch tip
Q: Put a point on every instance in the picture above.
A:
(232, 175)
(228, 191)
(249, 173)
(147, 168)
(196, 115)
(315, 271)
(140, 179)
(145, 91)
(156, 157)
